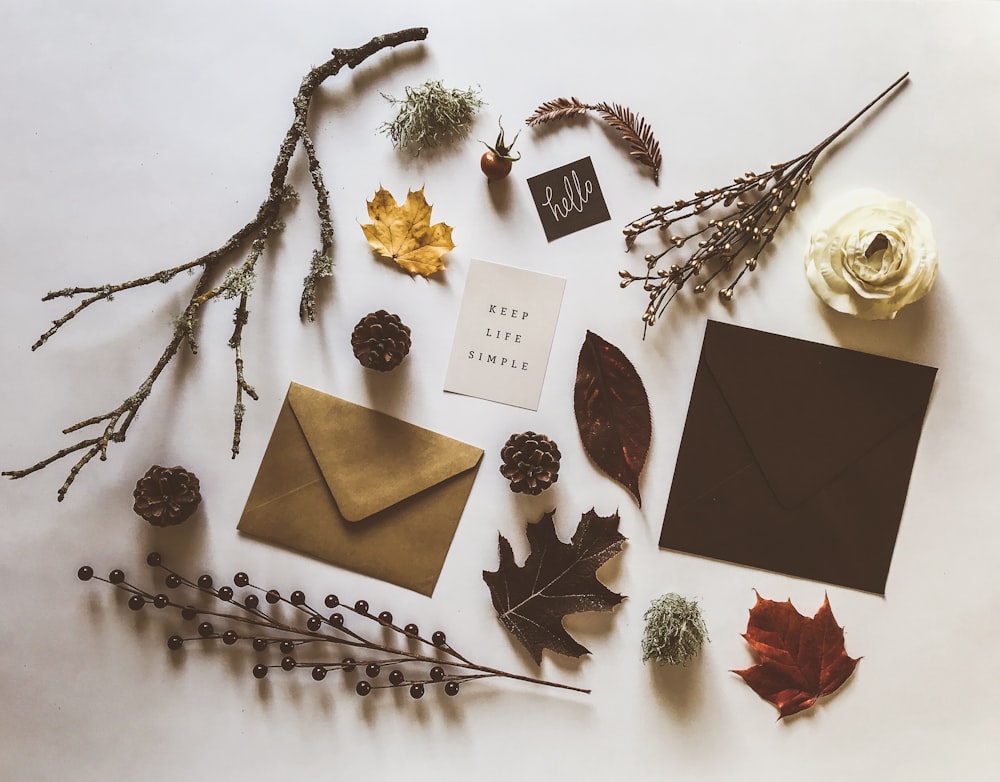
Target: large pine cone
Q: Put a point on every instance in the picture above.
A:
(166, 495)
(380, 341)
(530, 462)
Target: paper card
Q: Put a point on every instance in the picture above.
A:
(568, 198)
(504, 334)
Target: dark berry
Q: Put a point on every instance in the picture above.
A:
(288, 663)
(272, 596)
(85, 573)
(416, 691)
(298, 597)
(361, 606)
(188, 612)
(259, 644)
(332, 601)
(153, 559)
(385, 618)
(314, 623)
(319, 673)
(136, 603)
(230, 637)
(161, 601)
(337, 620)
(172, 581)
(241, 579)
(286, 647)
(362, 688)
(372, 670)
(225, 593)
(349, 664)
(439, 638)
(437, 673)
(251, 601)
(259, 671)
(205, 629)
(116, 576)
(396, 678)
(451, 688)
(205, 581)
(175, 642)
(411, 629)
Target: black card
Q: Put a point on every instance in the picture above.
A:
(568, 198)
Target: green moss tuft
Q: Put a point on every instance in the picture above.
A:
(675, 630)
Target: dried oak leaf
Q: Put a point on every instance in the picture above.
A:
(405, 234)
(556, 579)
(800, 658)
(612, 412)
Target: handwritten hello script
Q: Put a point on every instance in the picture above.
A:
(568, 198)
(504, 334)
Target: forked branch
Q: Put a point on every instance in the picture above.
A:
(237, 281)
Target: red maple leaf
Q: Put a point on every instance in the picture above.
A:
(800, 658)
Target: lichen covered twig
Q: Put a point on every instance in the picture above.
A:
(238, 280)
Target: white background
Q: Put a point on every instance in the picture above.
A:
(140, 135)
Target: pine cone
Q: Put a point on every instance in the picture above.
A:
(380, 341)
(530, 462)
(166, 495)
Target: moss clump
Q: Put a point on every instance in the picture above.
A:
(431, 115)
(675, 630)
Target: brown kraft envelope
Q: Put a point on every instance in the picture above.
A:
(360, 489)
(796, 457)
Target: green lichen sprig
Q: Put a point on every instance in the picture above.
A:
(431, 115)
(675, 630)
(234, 262)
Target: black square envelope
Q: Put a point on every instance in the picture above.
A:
(796, 457)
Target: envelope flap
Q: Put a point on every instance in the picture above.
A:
(369, 460)
(807, 410)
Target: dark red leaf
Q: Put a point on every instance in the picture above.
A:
(556, 579)
(612, 412)
(801, 659)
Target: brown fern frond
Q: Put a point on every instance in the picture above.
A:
(636, 132)
(560, 108)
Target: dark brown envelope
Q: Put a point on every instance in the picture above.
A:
(796, 457)
(360, 489)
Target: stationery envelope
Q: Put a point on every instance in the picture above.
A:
(360, 489)
(796, 457)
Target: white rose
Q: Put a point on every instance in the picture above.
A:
(874, 256)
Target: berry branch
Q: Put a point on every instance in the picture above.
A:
(417, 662)
(238, 280)
(744, 218)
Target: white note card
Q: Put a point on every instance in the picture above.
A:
(504, 334)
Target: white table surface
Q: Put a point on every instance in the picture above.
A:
(139, 135)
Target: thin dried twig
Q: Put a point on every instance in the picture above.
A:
(636, 132)
(743, 216)
(238, 281)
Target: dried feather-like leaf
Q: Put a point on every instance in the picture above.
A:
(559, 108)
(637, 134)
(612, 412)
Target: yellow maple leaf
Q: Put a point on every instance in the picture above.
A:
(405, 234)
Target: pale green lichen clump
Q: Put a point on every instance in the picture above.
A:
(675, 630)
(431, 115)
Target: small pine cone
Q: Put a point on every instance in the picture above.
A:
(380, 341)
(530, 462)
(166, 495)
